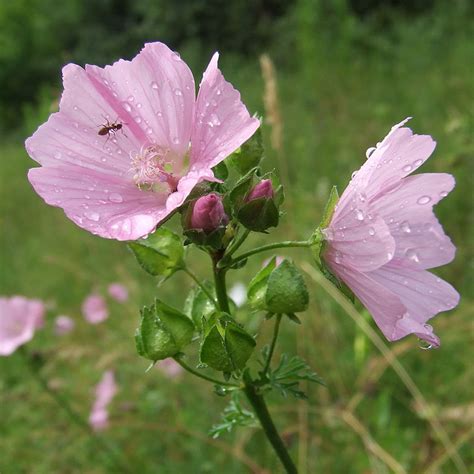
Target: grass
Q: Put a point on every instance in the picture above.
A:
(334, 102)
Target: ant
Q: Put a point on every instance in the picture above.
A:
(110, 128)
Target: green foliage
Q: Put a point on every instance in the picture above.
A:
(249, 155)
(288, 374)
(198, 305)
(160, 254)
(234, 415)
(257, 288)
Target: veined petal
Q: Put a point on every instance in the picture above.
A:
(104, 205)
(222, 122)
(423, 294)
(408, 210)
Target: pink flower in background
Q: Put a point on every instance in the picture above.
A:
(104, 393)
(19, 319)
(170, 368)
(118, 292)
(131, 140)
(63, 325)
(94, 309)
(384, 235)
(238, 294)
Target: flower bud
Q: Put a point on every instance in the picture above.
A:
(208, 213)
(263, 189)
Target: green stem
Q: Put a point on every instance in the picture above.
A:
(203, 288)
(75, 417)
(272, 345)
(237, 243)
(202, 376)
(264, 248)
(219, 279)
(260, 407)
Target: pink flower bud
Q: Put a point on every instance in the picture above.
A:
(208, 213)
(264, 189)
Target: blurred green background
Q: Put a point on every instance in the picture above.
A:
(345, 72)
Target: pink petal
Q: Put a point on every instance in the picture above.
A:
(63, 325)
(422, 293)
(384, 305)
(104, 205)
(118, 292)
(222, 122)
(408, 210)
(94, 309)
(19, 318)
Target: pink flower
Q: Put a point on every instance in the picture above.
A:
(104, 393)
(63, 325)
(208, 213)
(94, 309)
(19, 318)
(131, 140)
(170, 368)
(118, 292)
(384, 235)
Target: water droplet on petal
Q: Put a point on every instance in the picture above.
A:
(337, 258)
(57, 155)
(405, 227)
(417, 163)
(127, 107)
(423, 200)
(93, 216)
(412, 255)
(443, 194)
(353, 174)
(369, 151)
(371, 231)
(130, 98)
(176, 56)
(407, 168)
(139, 105)
(138, 119)
(178, 92)
(115, 197)
(359, 215)
(214, 121)
(218, 92)
(154, 85)
(176, 140)
(389, 256)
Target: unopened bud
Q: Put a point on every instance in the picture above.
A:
(264, 189)
(208, 213)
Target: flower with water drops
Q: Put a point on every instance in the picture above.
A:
(19, 319)
(131, 140)
(381, 246)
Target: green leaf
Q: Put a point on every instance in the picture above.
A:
(163, 332)
(249, 155)
(258, 286)
(234, 415)
(220, 171)
(286, 291)
(161, 254)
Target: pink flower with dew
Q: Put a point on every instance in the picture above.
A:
(383, 236)
(63, 325)
(131, 140)
(170, 368)
(94, 309)
(19, 319)
(118, 292)
(105, 391)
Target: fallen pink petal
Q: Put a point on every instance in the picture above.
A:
(119, 158)
(118, 292)
(63, 325)
(105, 391)
(94, 309)
(20, 317)
(384, 236)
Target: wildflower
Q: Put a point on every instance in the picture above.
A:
(104, 393)
(131, 140)
(383, 236)
(94, 309)
(208, 213)
(118, 292)
(63, 325)
(19, 319)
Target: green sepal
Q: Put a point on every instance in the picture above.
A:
(259, 214)
(286, 290)
(163, 332)
(235, 198)
(198, 304)
(249, 155)
(220, 171)
(258, 286)
(160, 254)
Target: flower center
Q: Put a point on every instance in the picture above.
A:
(152, 168)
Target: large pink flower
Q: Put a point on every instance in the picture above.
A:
(131, 140)
(384, 235)
(19, 319)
